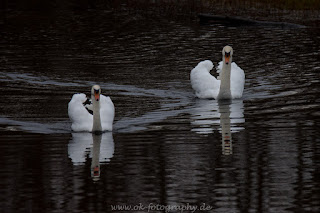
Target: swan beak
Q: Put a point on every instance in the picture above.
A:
(227, 59)
(97, 96)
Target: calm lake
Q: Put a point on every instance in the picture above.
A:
(168, 148)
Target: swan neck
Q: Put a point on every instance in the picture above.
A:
(96, 128)
(225, 92)
(225, 75)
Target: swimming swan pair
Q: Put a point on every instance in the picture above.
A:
(97, 114)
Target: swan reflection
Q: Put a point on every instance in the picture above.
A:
(225, 116)
(99, 148)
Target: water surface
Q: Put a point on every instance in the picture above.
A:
(257, 154)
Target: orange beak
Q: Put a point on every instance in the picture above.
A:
(97, 96)
(227, 59)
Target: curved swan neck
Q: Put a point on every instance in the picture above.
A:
(96, 128)
(225, 75)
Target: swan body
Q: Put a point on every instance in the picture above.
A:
(91, 115)
(228, 85)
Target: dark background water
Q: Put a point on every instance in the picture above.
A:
(167, 147)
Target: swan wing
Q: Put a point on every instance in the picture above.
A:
(237, 81)
(204, 84)
(81, 119)
(107, 112)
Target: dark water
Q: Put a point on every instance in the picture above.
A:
(257, 154)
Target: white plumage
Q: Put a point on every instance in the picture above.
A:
(82, 120)
(207, 86)
(204, 84)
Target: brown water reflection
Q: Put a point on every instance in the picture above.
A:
(167, 147)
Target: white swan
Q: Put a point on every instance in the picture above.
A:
(95, 115)
(230, 83)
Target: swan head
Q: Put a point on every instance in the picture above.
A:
(227, 52)
(95, 92)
